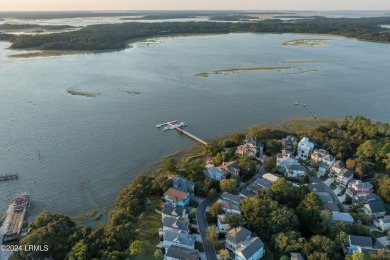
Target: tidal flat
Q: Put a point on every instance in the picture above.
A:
(76, 92)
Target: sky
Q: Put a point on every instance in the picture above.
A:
(58, 5)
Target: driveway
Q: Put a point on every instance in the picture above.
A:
(327, 189)
(201, 219)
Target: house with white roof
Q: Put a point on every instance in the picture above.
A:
(305, 148)
(251, 249)
(223, 227)
(383, 223)
(270, 177)
(214, 173)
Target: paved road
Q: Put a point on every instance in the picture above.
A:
(201, 219)
(326, 188)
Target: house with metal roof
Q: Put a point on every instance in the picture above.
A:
(250, 249)
(228, 207)
(235, 236)
(179, 253)
(375, 209)
(214, 173)
(173, 212)
(358, 241)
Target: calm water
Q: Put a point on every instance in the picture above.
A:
(92, 147)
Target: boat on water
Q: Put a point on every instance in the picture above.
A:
(296, 103)
(14, 217)
(167, 128)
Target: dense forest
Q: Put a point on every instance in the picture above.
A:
(286, 217)
(117, 36)
(8, 26)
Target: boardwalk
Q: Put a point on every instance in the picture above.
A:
(182, 131)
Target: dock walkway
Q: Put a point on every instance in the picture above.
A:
(182, 131)
(9, 177)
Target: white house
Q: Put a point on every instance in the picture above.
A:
(228, 207)
(344, 176)
(305, 148)
(235, 236)
(223, 227)
(376, 210)
(252, 249)
(295, 171)
(383, 223)
(214, 173)
(337, 166)
(358, 241)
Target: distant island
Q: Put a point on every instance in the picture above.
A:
(118, 36)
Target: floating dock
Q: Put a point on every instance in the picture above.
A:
(14, 217)
(8, 177)
(179, 128)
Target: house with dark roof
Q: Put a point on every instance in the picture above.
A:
(230, 167)
(286, 162)
(344, 176)
(214, 173)
(176, 197)
(357, 188)
(223, 227)
(263, 183)
(383, 223)
(358, 241)
(295, 171)
(173, 212)
(235, 236)
(231, 198)
(337, 166)
(179, 253)
(178, 239)
(344, 217)
(288, 143)
(175, 225)
(247, 193)
(251, 148)
(253, 187)
(250, 249)
(182, 184)
(376, 210)
(369, 198)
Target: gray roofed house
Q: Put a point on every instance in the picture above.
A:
(175, 212)
(231, 198)
(263, 183)
(358, 241)
(344, 217)
(178, 239)
(370, 198)
(252, 148)
(182, 184)
(250, 249)
(235, 236)
(253, 187)
(377, 210)
(229, 207)
(180, 253)
(214, 173)
(174, 224)
(325, 196)
(337, 166)
(230, 167)
(246, 193)
(295, 171)
(344, 176)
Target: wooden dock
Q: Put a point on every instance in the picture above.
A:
(8, 177)
(182, 131)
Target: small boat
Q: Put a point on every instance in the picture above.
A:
(304, 104)
(159, 125)
(296, 103)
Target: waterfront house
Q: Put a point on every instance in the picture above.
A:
(182, 184)
(230, 167)
(235, 236)
(180, 253)
(357, 188)
(231, 198)
(295, 171)
(252, 249)
(228, 207)
(173, 212)
(376, 210)
(214, 173)
(344, 217)
(175, 197)
(251, 148)
(383, 223)
(223, 227)
(288, 143)
(305, 148)
(344, 176)
(178, 239)
(329, 159)
(175, 225)
(270, 177)
(263, 183)
(358, 241)
(337, 166)
(318, 155)
(282, 156)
